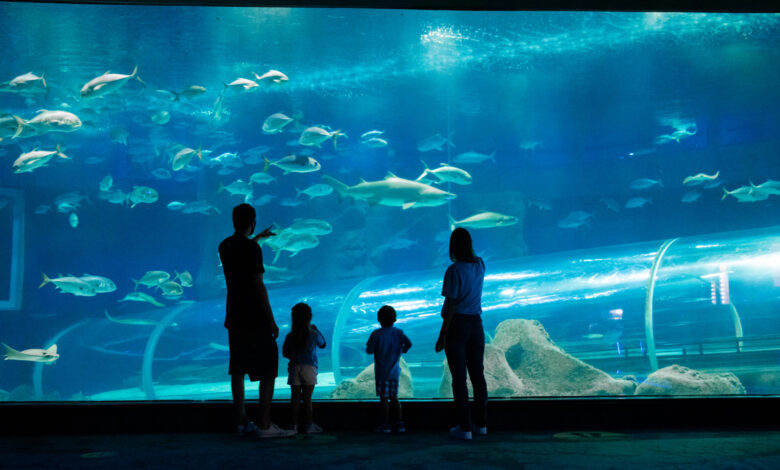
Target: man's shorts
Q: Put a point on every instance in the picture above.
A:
(387, 389)
(302, 374)
(253, 353)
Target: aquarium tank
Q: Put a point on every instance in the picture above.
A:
(619, 173)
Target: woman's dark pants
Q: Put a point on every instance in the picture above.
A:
(465, 349)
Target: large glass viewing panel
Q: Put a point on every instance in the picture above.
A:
(617, 171)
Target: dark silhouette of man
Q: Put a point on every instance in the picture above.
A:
(252, 330)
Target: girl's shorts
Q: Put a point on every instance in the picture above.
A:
(387, 388)
(302, 374)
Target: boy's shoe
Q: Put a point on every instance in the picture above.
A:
(480, 431)
(398, 426)
(247, 429)
(274, 431)
(383, 428)
(312, 428)
(459, 434)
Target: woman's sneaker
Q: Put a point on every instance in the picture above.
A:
(459, 434)
(274, 431)
(383, 428)
(247, 429)
(398, 427)
(313, 428)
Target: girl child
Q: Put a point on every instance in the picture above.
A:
(300, 348)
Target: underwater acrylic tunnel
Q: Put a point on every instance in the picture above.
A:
(580, 323)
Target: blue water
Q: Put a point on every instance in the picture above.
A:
(572, 104)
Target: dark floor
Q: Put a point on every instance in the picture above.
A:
(641, 450)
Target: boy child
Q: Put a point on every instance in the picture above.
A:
(387, 344)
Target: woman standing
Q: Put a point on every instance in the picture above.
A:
(462, 337)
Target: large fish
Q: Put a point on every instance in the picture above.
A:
(107, 83)
(575, 219)
(445, 173)
(99, 283)
(484, 220)
(315, 136)
(272, 76)
(392, 191)
(29, 161)
(294, 164)
(310, 226)
(70, 285)
(152, 278)
(32, 355)
(27, 82)
(240, 85)
(54, 121)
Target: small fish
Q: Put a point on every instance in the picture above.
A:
(152, 278)
(70, 285)
(700, 178)
(94, 160)
(310, 226)
(541, 205)
(141, 297)
(315, 190)
(237, 187)
(435, 142)
(107, 83)
(263, 200)
(446, 174)
(290, 202)
(611, 204)
(315, 136)
(272, 76)
(192, 91)
(170, 288)
(294, 164)
(184, 156)
(276, 123)
(175, 205)
(371, 135)
(48, 355)
(161, 117)
(690, 196)
(575, 219)
(73, 220)
(42, 209)
(474, 157)
(102, 285)
(106, 183)
(636, 202)
(142, 195)
(119, 135)
(375, 142)
(593, 336)
(644, 183)
(241, 85)
(185, 278)
(161, 174)
(261, 177)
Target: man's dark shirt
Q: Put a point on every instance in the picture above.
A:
(242, 260)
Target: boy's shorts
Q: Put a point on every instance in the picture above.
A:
(387, 389)
(302, 374)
